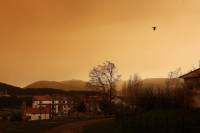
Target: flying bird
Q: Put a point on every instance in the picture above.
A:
(154, 28)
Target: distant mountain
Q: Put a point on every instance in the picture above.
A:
(155, 82)
(147, 83)
(79, 85)
(71, 86)
(9, 89)
(4, 86)
(63, 85)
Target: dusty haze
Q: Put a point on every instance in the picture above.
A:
(64, 39)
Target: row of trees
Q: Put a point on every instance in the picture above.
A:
(173, 95)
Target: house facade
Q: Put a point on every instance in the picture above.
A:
(192, 82)
(46, 107)
(3, 93)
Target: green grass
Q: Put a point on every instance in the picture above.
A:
(157, 121)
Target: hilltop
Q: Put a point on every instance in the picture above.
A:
(69, 85)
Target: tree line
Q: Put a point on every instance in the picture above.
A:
(105, 76)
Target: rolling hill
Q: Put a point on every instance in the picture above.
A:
(81, 85)
(70, 86)
(155, 82)
(63, 85)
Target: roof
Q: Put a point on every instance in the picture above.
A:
(48, 98)
(42, 98)
(192, 74)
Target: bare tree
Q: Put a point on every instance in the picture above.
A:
(176, 91)
(104, 77)
(132, 88)
(173, 80)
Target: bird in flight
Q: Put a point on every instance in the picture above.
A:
(154, 28)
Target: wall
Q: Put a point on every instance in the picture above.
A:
(38, 116)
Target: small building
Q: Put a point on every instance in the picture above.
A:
(192, 82)
(42, 113)
(46, 107)
(118, 101)
(92, 103)
(3, 93)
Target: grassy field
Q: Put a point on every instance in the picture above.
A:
(33, 126)
(159, 121)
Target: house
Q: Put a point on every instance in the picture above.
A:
(92, 103)
(3, 93)
(42, 113)
(118, 101)
(192, 82)
(192, 79)
(46, 107)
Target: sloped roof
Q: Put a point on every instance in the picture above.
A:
(49, 98)
(192, 74)
(42, 98)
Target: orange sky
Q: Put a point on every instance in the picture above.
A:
(64, 39)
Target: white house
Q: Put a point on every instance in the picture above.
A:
(46, 107)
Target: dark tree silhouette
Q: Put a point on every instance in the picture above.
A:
(131, 88)
(103, 78)
(173, 80)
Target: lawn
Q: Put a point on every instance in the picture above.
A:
(33, 126)
(157, 121)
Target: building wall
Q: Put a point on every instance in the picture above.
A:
(37, 104)
(194, 85)
(60, 107)
(38, 116)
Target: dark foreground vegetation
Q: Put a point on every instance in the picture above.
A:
(154, 121)
(35, 126)
(145, 109)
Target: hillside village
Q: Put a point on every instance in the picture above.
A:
(42, 104)
(50, 102)
(52, 107)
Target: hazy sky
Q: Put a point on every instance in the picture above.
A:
(64, 39)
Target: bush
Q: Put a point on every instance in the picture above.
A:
(81, 107)
(148, 98)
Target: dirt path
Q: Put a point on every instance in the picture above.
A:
(74, 127)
